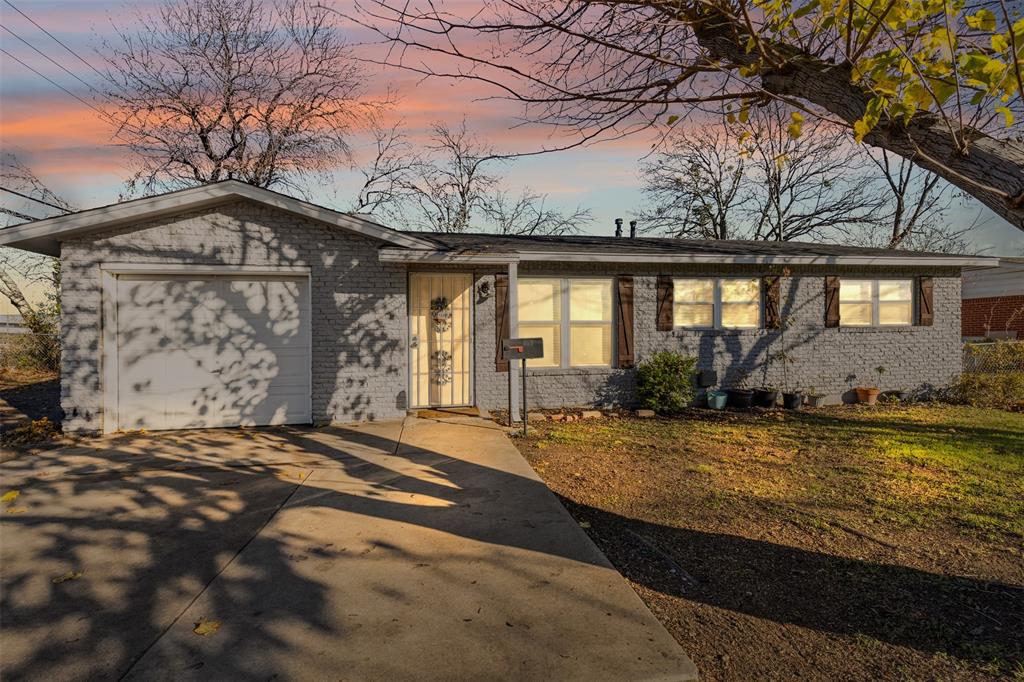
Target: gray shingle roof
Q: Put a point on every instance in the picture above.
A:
(582, 244)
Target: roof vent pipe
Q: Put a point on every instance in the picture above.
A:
(618, 227)
(632, 229)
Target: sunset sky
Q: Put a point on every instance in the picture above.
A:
(69, 145)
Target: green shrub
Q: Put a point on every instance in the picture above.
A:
(664, 382)
(989, 389)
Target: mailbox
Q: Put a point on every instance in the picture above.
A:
(522, 349)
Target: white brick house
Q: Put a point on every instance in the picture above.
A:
(229, 304)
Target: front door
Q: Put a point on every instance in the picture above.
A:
(440, 339)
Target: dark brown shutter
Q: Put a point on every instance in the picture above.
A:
(664, 303)
(624, 331)
(772, 295)
(831, 301)
(501, 321)
(925, 307)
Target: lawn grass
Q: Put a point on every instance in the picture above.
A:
(868, 540)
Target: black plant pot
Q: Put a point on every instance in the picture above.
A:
(792, 401)
(741, 398)
(765, 397)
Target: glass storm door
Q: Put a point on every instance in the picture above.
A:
(440, 339)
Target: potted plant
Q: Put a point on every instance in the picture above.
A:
(766, 396)
(814, 399)
(869, 394)
(717, 399)
(791, 400)
(740, 396)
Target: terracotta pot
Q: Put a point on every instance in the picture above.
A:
(867, 394)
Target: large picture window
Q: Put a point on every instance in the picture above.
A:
(572, 316)
(876, 302)
(713, 303)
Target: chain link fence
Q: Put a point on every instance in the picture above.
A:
(994, 357)
(30, 351)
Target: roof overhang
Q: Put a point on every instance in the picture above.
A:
(44, 236)
(441, 256)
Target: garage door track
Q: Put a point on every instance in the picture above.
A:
(407, 550)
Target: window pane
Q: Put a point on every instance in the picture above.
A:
(539, 300)
(740, 290)
(590, 300)
(590, 345)
(744, 315)
(855, 290)
(894, 313)
(549, 333)
(694, 315)
(855, 314)
(894, 290)
(693, 290)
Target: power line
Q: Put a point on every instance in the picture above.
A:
(50, 59)
(31, 198)
(55, 39)
(56, 84)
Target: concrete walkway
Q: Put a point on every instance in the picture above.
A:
(395, 551)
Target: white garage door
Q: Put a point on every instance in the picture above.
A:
(198, 351)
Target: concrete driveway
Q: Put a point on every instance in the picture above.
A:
(406, 550)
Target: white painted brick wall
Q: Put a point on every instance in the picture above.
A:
(360, 330)
(358, 303)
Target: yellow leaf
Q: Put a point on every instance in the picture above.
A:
(999, 42)
(17, 510)
(1007, 115)
(205, 626)
(983, 20)
(70, 575)
(780, 160)
(860, 129)
(10, 496)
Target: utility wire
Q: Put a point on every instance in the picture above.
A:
(50, 59)
(55, 38)
(55, 84)
(31, 198)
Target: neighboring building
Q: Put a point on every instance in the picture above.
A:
(12, 323)
(228, 304)
(993, 301)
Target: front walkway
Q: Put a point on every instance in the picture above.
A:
(413, 550)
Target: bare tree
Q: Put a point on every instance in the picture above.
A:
(752, 178)
(390, 171)
(20, 270)
(695, 187)
(453, 185)
(206, 90)
(940, 83)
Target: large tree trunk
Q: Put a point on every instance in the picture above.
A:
(989, 169)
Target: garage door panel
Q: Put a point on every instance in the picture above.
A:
(208, 352)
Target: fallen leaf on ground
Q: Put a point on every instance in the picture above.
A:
(70, 575)
(10, 496)
(205, 626)
(17, 510)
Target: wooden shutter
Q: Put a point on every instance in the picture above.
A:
(624, 329)
(772, 295)
(501, 321)
(925, 307)
(664, 303)
(831, 301)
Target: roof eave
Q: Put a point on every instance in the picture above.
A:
(442, 256)
(44, 236)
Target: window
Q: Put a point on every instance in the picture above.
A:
(717, 303)
(573, 314)
(876, 302)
